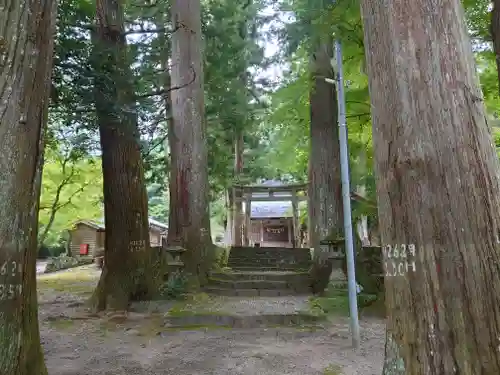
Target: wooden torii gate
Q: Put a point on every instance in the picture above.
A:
(244, 194)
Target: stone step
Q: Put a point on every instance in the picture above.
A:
(269, 253)
(298, 250)
(275, 259)
(305, 265)
(288, 276)
(257, 292)
(263, 257)
(272, 254)
(244, 322)
(267, 260)
(257, 268)
(249, 284)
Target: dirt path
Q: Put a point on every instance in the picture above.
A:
(142, 345)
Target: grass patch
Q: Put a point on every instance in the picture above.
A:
(337, 303)
(78, 280)
(178, 313)
(62, 324)
(193, 304)
(333, 370)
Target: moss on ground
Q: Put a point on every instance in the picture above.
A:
(191, 327)
(174, 313)
(333, 370)
(62, 324)
(195, 304)
(329, 305)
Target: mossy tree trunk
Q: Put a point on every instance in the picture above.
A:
(438, 190)
(26, 49)
(325, 189)
(131, 269)
(495, 34)
(190, 148)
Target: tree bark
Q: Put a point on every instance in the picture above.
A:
(173, 223)
(191, 186)
(130, 268)
(26, 49)
(437, 188)
(67, 245)
(495, 35)
(324, 189)
(238, 205)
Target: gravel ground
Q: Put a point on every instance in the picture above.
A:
(253, 305)
(40, 266)
(77, 343)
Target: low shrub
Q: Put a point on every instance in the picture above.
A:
(221, 256)
(336, 302)
(175, 287)
(45, 252)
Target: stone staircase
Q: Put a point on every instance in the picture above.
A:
(263, 272)
(269, 259)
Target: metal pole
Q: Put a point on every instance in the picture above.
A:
(346, 198)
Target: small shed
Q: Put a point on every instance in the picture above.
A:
(157, 230)
(88, 236)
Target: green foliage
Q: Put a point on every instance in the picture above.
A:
(231, 105)
(288, 122)
(337, 303)
(45, 252)
(288, 119)
(477, 14)
(175, 287)
(158, 202)
(275, 123)
(232, 55)
(71, 190)
(221, 257)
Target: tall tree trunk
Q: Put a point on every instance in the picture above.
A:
(173, 223)
(238, 205)
(189, 126)
(26, 48)
(362, 223)
(325, 189)
(130, 270)
(495, 34)
(67, 244)
(437, 188)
